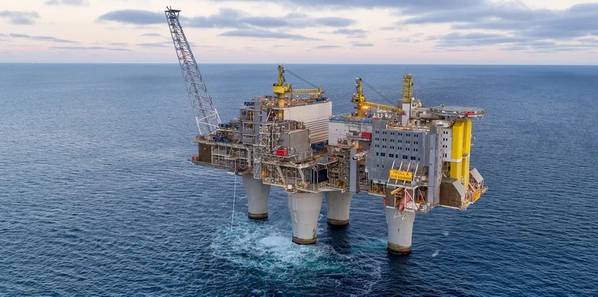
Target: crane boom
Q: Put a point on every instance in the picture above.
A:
(362, 104)
(206, 115)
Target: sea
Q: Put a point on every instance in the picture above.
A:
(98, 196)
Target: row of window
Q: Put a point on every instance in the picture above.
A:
(399, 141)
(398, 133)
(405, 157)
(398, 148)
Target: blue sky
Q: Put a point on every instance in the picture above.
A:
(304, 31)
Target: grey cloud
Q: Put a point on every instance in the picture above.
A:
(231, 18)
(259, 33)
(40, 38)
(269, 22)
(225, 18)
(511, 19)
(476, 39)
(523, 26)
(133, 16)
(327, 46)
(334, 21)
(362, 44)
(579, 20)
(66, 2)
(407, 5)
(351, 32)
(90, 48)
(228, 18)
(151, 34)
(511, 43)
(154, 44)
(548, 47)
(20, 17)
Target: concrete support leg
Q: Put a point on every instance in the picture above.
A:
(257, 198)
(400, 230)
(305, 211)
(338, 208)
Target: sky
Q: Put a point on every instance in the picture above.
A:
(303, 31)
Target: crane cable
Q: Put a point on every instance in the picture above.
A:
(301, 78)
(377, 92)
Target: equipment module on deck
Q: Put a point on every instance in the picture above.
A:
(415, 157)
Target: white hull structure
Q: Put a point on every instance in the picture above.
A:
(305, 212)
(257, 198)
(400, 229)
(339, 205)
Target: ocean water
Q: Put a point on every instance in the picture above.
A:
(98, 196)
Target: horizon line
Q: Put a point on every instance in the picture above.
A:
(245, 63)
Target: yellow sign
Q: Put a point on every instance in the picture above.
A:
(400, 175)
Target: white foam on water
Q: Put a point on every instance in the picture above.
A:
(266, 247)
(435, 253)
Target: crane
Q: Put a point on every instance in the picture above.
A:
(281, 88)
(206, 115)
(362, 104)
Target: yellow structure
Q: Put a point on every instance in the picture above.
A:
(460, 149)
(457, 150)
(407, 88)
(281, 88)
(362, 105)
(285, 91)
(467, 128)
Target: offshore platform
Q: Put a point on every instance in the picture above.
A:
(414, 157)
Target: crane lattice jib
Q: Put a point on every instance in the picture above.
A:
(206, 116)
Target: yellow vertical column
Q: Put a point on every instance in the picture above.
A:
(466, 150)
(457, 150)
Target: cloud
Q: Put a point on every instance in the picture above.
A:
(232, 18)
(134, 16)
(20, 17)
(510, 21)
(512, 43)
(225, 18)
(40, 38)
(327, 46)
(333, 21)
(260, 33)
(406, 5)
(355, 33)
(362, 44)
(476, 39)
(91, 48)
(228, 18)
(150, 34)
(579, 20)
(154, 44)
(66, 2)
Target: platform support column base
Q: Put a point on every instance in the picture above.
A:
(305, 212)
